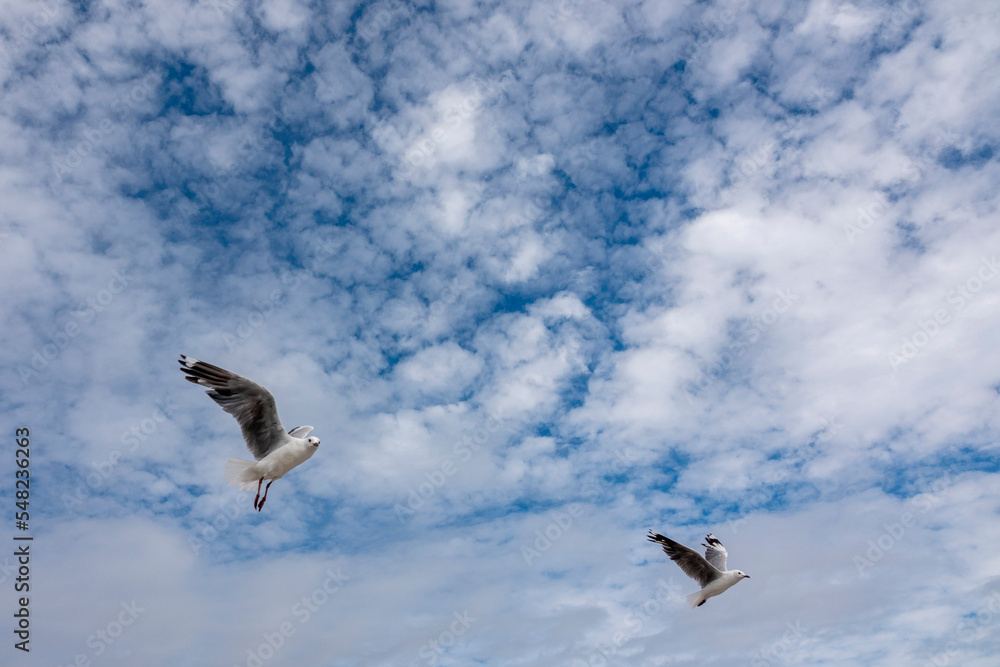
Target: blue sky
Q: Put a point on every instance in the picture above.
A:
(542, 276)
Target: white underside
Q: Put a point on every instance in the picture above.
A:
(247, 474)
(717, 587)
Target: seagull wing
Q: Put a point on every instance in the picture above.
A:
(715, 553)
(251, 404)
(300, 431)
(689, 560)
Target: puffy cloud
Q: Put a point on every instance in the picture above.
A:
(541, 277)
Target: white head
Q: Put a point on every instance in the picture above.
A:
(314, 441)
(741, 574)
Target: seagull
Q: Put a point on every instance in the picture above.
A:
(709, 571)
(276, 451)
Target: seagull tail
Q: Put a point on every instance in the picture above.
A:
(695, 599)
(242, 472)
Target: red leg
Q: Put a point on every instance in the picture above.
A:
(259, 482)
(261, 506)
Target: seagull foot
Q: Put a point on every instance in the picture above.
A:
(261, 506)
(259, 482)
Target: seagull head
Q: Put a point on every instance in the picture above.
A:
(313, 441)
(742, 574)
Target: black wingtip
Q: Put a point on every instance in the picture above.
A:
(712, 541)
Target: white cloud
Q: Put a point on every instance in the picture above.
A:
(545, 275)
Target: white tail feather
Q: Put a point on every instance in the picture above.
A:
(694, 599)
(242, 472)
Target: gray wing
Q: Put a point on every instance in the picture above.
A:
(715, 553)
(689, 560)
(251, 404)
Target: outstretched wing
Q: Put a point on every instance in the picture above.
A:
(300, 431)
(715, 553)
(251, 404)
(689, 560)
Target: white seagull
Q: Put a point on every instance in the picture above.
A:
(710, 572)
(276, 451)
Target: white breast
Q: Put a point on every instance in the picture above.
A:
(283, 459)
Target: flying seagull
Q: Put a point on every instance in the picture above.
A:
(276, 451)
(710, 572)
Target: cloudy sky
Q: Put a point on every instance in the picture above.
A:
(542, 275)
